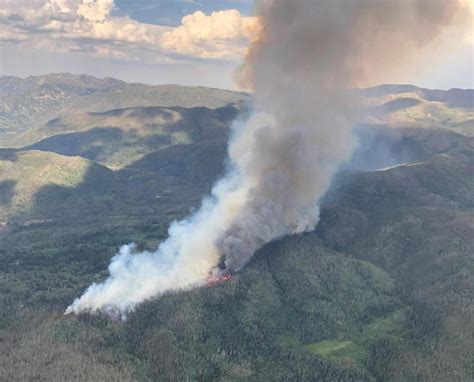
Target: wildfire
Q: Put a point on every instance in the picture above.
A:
(217, 279)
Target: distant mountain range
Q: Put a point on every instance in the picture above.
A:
(115, 123)
(27, 104)
(380, 291)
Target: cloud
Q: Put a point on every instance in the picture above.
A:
(222, 34)
(96, 11)
(89, 26)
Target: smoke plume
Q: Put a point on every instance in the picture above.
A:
(283, 157)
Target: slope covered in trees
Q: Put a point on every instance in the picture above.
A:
(381, 290)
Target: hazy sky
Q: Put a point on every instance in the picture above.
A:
(161, 41)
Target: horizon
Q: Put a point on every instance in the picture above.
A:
(172, 42)
(213, 87)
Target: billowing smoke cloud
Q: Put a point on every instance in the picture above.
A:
(284, 156)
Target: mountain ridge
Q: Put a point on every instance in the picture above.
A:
(380, 290)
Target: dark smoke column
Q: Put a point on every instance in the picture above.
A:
(309, 53)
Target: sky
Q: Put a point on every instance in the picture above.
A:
(189, 42)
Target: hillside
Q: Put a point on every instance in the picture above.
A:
(380, 291)
(406, 105)
(30, 103)
(119, 137)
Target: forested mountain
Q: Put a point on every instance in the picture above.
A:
(43, 101)
(380, 291)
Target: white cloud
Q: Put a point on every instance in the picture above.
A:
(222, 34)
(96, 11)
(89, 27)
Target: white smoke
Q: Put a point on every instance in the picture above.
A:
(183, 261)
(283, 157)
